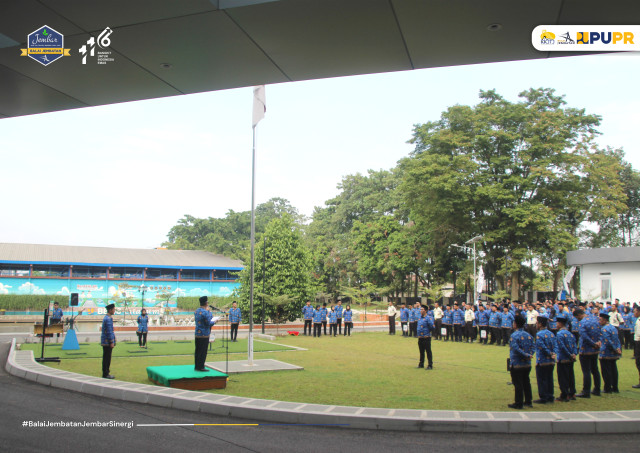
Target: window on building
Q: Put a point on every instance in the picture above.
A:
(14, 270)
(45, 270)
(605, 292)
(196, 274)
(126, 272)
(162, 274)
(89, 272)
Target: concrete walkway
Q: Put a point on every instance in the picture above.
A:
(22, 364)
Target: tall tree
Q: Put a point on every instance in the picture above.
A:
(516, 173)
(230, 235)
(623, 229)
(285, 271)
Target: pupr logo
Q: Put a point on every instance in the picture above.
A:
(103, 41)
(603, 37)
(45, 45)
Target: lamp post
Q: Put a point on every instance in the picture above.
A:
(142, 289)
(264, 264)
(465, 248)
(475, 278)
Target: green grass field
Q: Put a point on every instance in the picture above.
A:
(378, 370)
(154, 348)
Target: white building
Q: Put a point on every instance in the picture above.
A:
(609, 273)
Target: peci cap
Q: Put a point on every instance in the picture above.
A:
(110, 306)
(203, 300)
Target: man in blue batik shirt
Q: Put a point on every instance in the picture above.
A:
(566, 350)
(610, 352)
(338, 310)
(204, 320)
(56, 314)
(108, 341)
(494, 324)
(506, 324)
(521, 350)
(545, 360)
(458, 322)
(235, 318)
(404, 319)
(483, 324)
(324, 313)
(414, 315)
(317, 322)
(590, 342)
(447, 322)
(424, 328)
(307, 314)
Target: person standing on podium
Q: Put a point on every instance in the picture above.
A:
(204, 320)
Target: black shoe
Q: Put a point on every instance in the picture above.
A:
(562, 400)
(615, 391)
(429, 367)
(202, 369)
(514, 406)
(635, 386)
(420, 366)
(571, 398)
(595, 392)
(606, 391)
(540, 401)
(583, 395)
(529, 405)
(108, 376)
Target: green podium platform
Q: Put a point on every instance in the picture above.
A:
(185, 377)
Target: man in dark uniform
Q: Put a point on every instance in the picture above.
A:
(324, 314)
(424, 328)
(204, 320)
(56, 316)
(522, 348)
(307, 314)
(565, 356)
(545, 360)
(338, 311)
(107, 340)
(235, 318)
(589, 346)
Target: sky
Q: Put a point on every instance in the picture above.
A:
(122, 175)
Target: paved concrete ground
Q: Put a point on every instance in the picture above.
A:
(22, 364)
(242, 366)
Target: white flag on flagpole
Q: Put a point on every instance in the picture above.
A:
(259, 104)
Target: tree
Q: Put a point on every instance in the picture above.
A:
(362, 198)
(287, 271)
(229, 236)
(361, 295)
(522, 175)
(623, 229)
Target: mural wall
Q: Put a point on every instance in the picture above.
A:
(95, 294)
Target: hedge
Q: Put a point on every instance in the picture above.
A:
(22, 302)
(192, 303)
(30, 302)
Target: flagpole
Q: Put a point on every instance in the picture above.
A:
(259, 108)
(253, 240)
